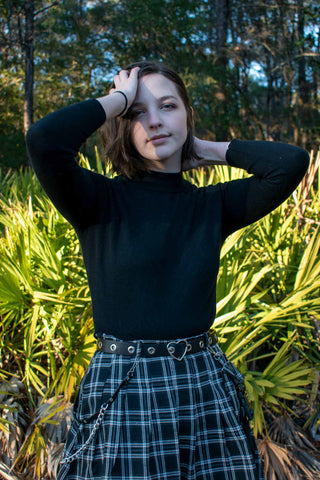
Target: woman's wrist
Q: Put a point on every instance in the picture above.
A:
(125, 100)
(114, 104)
(122, 93)
(212, 152)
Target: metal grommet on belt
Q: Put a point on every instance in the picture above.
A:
(177, 349)
(213, 338)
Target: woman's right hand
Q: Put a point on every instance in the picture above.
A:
(126, 82)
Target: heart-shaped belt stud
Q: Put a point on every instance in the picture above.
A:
(174, 348)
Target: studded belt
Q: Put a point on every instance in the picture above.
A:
(176, 349)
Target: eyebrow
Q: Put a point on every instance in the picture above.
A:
(160, 99)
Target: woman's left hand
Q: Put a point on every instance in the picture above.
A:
(207, 153)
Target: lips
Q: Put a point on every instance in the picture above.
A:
(158, 139)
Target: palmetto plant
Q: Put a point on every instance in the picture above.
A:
(268, 306)
(268, 312)
(45, 313)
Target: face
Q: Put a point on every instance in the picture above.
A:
(159, 123)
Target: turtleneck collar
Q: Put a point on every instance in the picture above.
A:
(161, 180)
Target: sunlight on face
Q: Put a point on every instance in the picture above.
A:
(159, 123)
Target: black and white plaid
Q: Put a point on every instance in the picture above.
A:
(173, 420)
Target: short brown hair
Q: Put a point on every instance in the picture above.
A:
(115, 132)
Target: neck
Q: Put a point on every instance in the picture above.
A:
(165, 167)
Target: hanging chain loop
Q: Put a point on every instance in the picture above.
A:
(104, 407)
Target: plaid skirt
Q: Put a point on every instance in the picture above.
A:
(173, 420)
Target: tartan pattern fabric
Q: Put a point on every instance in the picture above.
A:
(174, 420)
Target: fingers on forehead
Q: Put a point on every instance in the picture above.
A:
(123, 74)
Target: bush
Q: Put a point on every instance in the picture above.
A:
(268, 311)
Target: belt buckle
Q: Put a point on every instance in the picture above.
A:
(171, 347)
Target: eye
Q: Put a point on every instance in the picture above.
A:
(136, 113)
(168, 106)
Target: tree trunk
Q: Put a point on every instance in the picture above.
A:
(222, 9)
(29, 65)
(223, 13)
(303, 87)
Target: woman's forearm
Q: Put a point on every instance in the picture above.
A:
(53, 143)
(275, 168)
(113, 104)
(211, 153)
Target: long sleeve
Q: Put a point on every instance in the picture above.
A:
(276, 169)
(53, 144)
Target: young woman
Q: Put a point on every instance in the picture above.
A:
(159, 399)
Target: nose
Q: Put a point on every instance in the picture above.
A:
(154, 118)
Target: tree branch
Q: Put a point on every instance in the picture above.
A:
(45, 8)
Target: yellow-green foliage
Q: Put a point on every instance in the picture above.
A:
(268, 311)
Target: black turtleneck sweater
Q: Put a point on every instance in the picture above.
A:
(151, 245)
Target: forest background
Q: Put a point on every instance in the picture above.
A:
(251, 67)
(252, 71)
